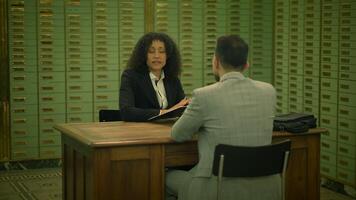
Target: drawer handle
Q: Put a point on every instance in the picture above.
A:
(74, 77)
(345, 87)
(47, 88)
(102, 68)
(344, 137)
(19, 99)
(343, 150)
(345, 76)
(101, 49)
(18, 69)
(72, 49)
(344, 163)
(21, 143)
(325, 169)
(19, 89)
(75, 98)
(46, 56)
(326, 133)
(75, 108)
(47, 68)
(75, 87)
(325, 96)
(102, 86)
(75, 119)
(101, 107)
(326, 84)
(46, 62)
(308, 101)
(47, 77)
(326, 121)
(20, 154)
(19, 110)
(47, 99)
(20, 132)
(102, 76)
(20, 120)
(47, 109)
(346, 125)
(48, 130)
(19, 78)
(326, 157)
(47, 49)
(47, 120)
(343, 175)
(344, 112)
(308, 95)
(48, 141)
(325, 145)
(326, 109)
(101, 97)
(75, 56)
(75, 68)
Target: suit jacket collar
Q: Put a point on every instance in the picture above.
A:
(232, 75)
(169, 94)
(150, 91)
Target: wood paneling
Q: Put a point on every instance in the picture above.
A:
(4, 85)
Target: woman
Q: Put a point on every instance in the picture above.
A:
(150, 84)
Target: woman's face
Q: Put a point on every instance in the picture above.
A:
(156, 56)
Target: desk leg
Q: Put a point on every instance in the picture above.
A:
(303, 176)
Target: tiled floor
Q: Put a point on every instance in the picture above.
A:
(326, 194)
(50, 181)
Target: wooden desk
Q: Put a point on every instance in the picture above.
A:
(123, 160)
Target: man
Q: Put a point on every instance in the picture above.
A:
(236, 111)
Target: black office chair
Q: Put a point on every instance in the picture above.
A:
(244, 161)
(109, 115)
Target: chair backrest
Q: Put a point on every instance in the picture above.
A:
(109, 115)
(247, 161)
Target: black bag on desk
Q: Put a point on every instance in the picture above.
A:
(294, 122)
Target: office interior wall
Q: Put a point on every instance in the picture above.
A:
(4, 89)
(65, 63)
(196, 24)
(314, 72)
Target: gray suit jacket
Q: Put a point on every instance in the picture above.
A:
(236, 111)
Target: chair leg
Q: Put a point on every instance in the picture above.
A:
(221, 168)
(286, 155)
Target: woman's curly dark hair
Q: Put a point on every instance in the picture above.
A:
(138, 57)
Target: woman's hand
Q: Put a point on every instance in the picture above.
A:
(182, 102)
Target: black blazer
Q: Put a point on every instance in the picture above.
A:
(138, 100)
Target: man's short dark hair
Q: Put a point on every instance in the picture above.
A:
(232, 51)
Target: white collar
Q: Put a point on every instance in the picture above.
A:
(154, 78)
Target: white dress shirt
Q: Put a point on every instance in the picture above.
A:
(158, 86)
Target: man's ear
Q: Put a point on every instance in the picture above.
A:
(217, 62)
(246, 66)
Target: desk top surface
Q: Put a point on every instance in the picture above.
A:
(131, 133)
